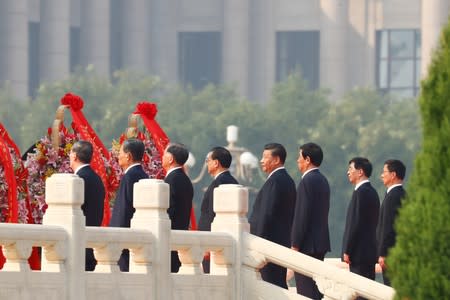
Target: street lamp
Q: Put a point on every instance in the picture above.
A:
(242, 164)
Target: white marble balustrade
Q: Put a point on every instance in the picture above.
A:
(236, 255)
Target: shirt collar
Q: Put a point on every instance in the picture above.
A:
(131, 166)
(171, 170)
(217, 175)
(279, 168)
(393, 186)
(307, 171)
(361, 183)
(79, 168)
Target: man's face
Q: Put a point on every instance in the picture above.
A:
(302, 163)
(72, 157)
(387, 176)
(166, 160)
(124, 158)
(268, 161)
(353, 174)
(211, 164)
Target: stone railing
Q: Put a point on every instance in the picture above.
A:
(236, 255)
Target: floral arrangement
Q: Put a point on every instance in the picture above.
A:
(44, 162)
(20, 174)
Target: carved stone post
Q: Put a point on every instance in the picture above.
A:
(64, 194)
(230, 206)
(151, 200)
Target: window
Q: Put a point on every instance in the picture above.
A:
(33, 58)
(74, 47)
(298, 51)
(398, 61)
(199, 58)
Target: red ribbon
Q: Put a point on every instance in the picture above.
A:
(75, 104)
(82, 126)
(148, 111)
(6, 160)
(10, 179)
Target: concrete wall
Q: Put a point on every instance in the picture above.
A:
(149, 37)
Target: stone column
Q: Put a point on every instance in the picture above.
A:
(434, 17)
(54, 52)
(262, 48)
(151, 200)
(164, 39)
(136, 36)
(14, 46)
(231, 207)
(64, 194)
(333, 44)
(95, 35)
(235, 44)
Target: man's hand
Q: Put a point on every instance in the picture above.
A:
(382, 263)
(289, 274)
(346, 258)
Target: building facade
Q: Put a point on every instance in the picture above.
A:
(336, 44)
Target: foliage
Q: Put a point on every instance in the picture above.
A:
(366, 124)
(293, 113)
(363, 123)
(107, 105)
(419, 261)
(12, 113)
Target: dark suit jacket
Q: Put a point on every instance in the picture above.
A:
(273, 210)
(360, 229)
(94, 195)
(389, 209)
(310, 226)
(180, 203)
(207, 213)
(123, 206)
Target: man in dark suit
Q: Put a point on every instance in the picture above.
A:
(130, 157)
(359, 242)
(273, 209)
(218, 161)
(392, 176)
(310, 234)
(94, 192)
(181, 192)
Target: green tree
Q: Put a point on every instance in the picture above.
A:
(419, 263)
(293, 112)
(107, 105)
(199, 119)
(368, 124)
(12, 111)
(363, 123)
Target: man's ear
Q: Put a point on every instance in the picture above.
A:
(171, 159)
(277, 160)
(308, 159)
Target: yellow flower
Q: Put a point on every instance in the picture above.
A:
(68, 148)
(48, 173)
